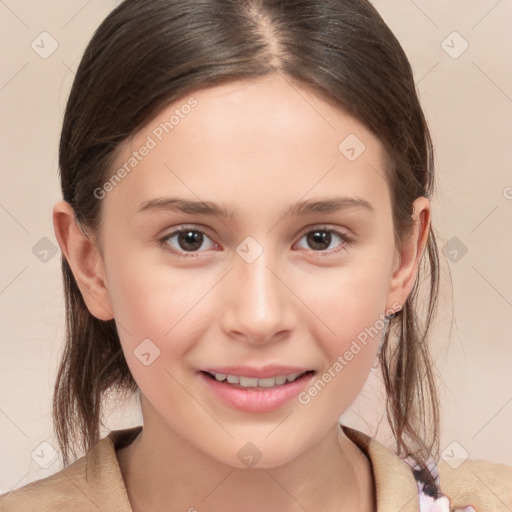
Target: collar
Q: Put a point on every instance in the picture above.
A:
(396, 488)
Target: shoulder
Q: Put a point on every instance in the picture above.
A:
(485, 485)
(52, 493)
(91, 483)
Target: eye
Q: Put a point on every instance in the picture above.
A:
(323, 238)
(191, 239)
(187, 240)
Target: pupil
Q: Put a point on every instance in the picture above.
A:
(190, 237)
(322, 238)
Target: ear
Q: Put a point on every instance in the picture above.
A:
(406, 262)
(85, 260)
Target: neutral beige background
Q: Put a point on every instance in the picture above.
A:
(468, 102)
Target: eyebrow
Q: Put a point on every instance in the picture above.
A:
(301, 208)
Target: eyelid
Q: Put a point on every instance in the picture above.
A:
(326, 227)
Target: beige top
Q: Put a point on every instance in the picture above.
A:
(94, 482)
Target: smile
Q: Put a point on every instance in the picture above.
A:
(241, 381)
(253, 394)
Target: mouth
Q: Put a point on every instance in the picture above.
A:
(255, 390)
(244, 382)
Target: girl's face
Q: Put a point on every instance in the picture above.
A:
(298, 275)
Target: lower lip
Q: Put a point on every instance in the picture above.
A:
(256, 399)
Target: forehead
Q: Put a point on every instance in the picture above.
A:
(259, 139)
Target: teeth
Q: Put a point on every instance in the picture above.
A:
(253, 382)
(247, 382)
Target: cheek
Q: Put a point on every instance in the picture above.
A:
(160, 314)
(350, 309)
(151, 299)
(353, 312)
(152, 317)
(349, 300)
(147, 307)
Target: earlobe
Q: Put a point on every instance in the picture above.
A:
(404, 276)
(85, 260)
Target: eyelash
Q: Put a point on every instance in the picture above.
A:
(345, 239)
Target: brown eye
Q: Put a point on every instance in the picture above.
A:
(187, 240)
(319, 240)
(190, 240)
(325, 240)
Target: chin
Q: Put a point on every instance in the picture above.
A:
(257, 455)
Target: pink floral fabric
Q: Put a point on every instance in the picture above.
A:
(431, 498)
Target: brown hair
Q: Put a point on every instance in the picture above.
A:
(148, 53)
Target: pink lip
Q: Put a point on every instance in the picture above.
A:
(259, 373)
(256, 399)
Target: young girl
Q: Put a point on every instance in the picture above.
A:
(245, 224)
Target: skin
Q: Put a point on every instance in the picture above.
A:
(256, 147)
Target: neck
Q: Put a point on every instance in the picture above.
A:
(160, 467)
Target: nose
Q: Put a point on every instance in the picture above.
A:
(258, 302)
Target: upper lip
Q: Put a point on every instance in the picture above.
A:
(259, 373)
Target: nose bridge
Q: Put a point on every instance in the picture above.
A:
(259, 305)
